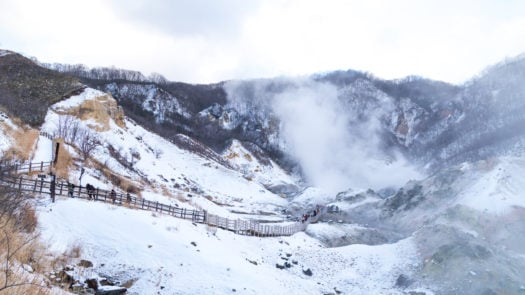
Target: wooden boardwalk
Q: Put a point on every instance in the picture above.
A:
(10, 176)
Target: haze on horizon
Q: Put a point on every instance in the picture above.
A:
(204, 41)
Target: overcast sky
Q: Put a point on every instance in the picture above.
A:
(202, 41)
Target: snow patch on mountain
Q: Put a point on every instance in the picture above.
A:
(5, 139)
(152, 98)
(269, 174)
(498, 188)
(228, 118)
(4, 52)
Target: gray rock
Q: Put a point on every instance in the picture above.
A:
(307, 272)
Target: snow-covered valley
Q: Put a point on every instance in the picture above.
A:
(389, 245)
(164, 255)
(458, 230)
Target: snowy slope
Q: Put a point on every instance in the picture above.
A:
(158, 252)
(498, 188)
(436, 234)
(5, 140)
(467, 222)
(162, 167)
(165, 255)
(269, 174)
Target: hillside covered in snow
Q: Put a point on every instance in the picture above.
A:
(421, 182)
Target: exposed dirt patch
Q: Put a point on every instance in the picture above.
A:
(24, 140)
(64, 160)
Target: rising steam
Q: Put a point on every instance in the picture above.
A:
(336, 149)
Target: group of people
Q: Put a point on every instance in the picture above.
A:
(93, 192)
(312, 213)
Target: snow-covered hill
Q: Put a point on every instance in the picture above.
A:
(467, 222)
(223, 148)
(157, 166)
(164, 255)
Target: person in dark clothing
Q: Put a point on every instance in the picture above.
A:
(128, 197)
(52, 187)
(113, 195)
(90, 190)
(88, 186)
(70, 189)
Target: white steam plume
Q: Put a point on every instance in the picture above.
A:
(335, 149)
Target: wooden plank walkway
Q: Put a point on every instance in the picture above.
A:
(10, 177)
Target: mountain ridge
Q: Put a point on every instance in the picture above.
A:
(423, 119)
(457, 230)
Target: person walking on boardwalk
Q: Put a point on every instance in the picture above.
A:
(70, 189)
(113, 195)
(52, 187)
(95, 193)
(90, 190)
(128, 198)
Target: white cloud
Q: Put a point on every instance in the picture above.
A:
(208, 41)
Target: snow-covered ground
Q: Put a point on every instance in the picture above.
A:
(497, 187)
(165, 255)
(172, 256)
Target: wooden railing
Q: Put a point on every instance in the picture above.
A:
(24, 168)
(47, 135)
(239, 226)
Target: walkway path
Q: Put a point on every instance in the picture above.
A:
(10, 176)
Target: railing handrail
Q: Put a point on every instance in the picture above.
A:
(239, 226)
(24, 167)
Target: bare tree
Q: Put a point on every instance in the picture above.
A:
(68, 128)
(87, 142)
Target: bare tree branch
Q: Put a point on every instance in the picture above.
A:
(88, 142)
